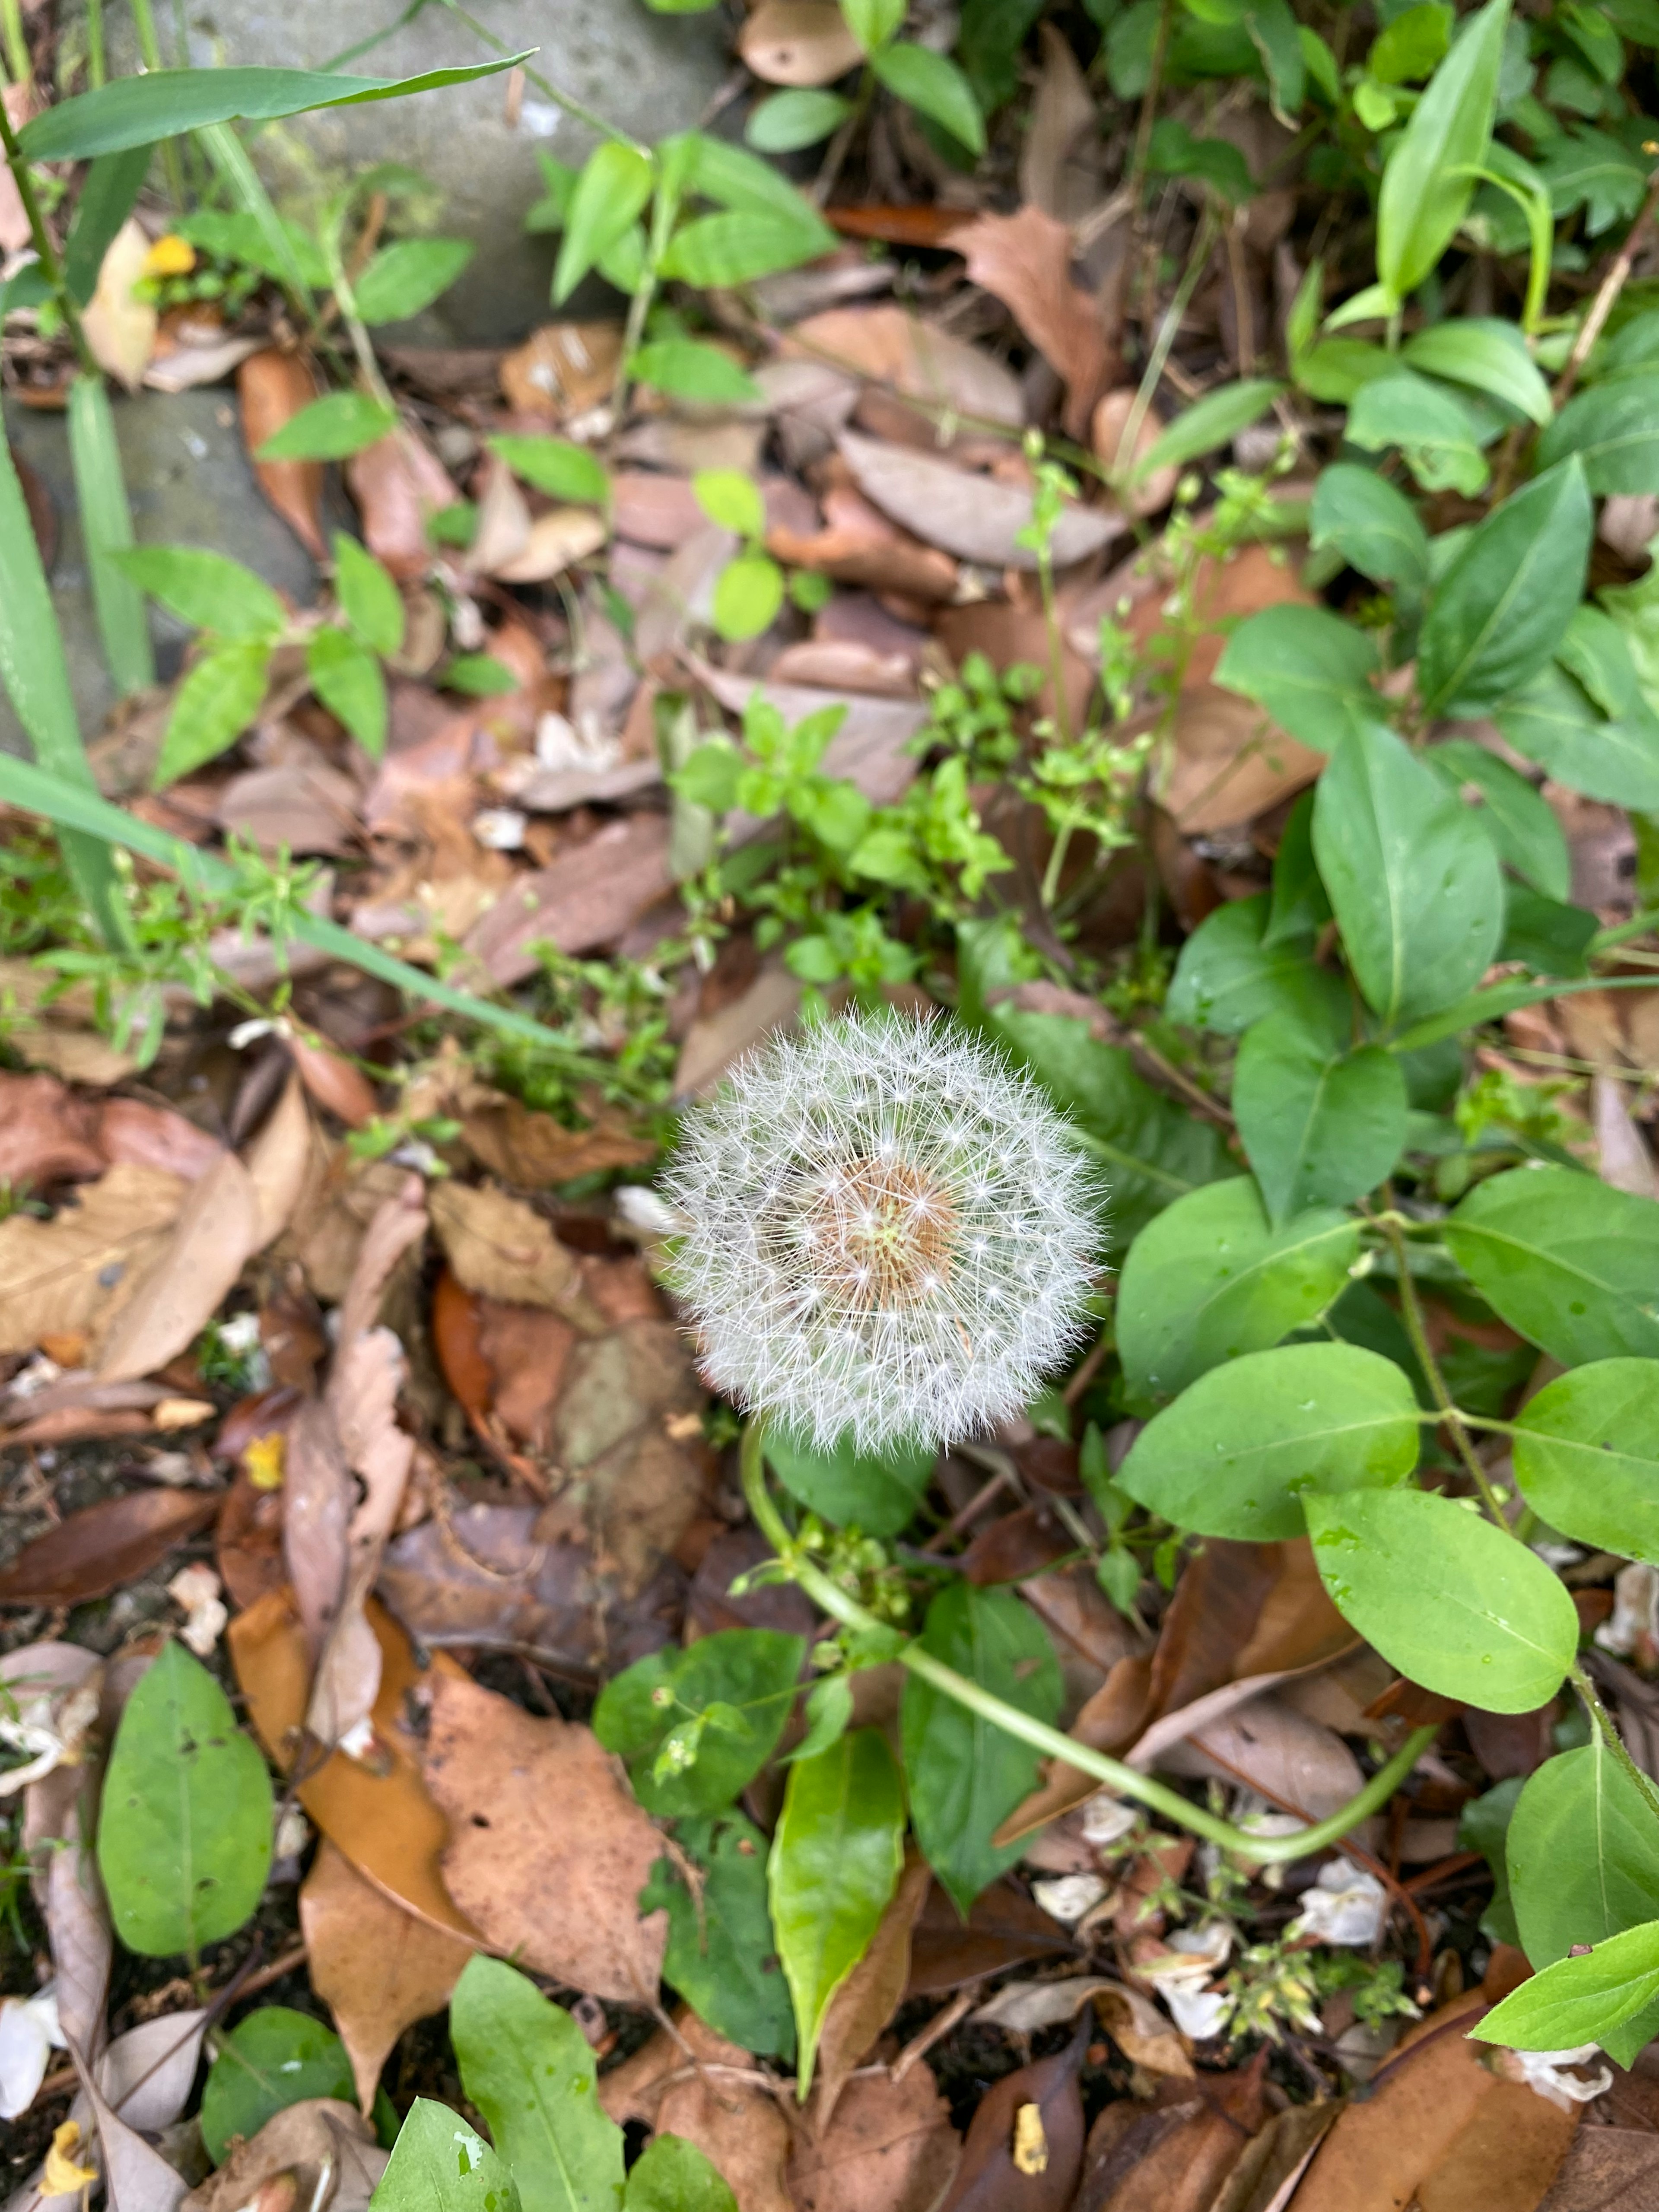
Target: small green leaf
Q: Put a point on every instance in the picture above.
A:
(1450, 1600)
(1553, 721)
(685, 369)
(874, 23)
(878, 1495)
(743, 243)
(1429, 180)
(670, 2174)
(786, 121)
(107, 198)
(615, 183)
(1487, 355)
(1613, 429)
(720, 1954)
(833, 1866)
(748, 596)
(1587, 1456)
(697, 1725)
(217, 701)
(480, 674)
(1229, 974)
(1214, 420)
(1232, 1454)
(1579, 2001)
(369, 599)
(828, 1713)
(1520, 821)
(408, 276)
(1571, 1264)
(1432, 427)
(185, 1822)
(346, 677)
(209, 589)
(731, 499)
(271, 2059)
(555, 466)
(1371, 523)
(1409, 45)
(1321, 1127)
(439, 2164)
(1311, 670)
(530, 2070)
(330, 429)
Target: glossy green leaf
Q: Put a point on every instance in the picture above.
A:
(135, 111)
(1489, 356)
(1546, 935)
(106, 528)
(1483, 1826)
(672, 2175)
(1613, 429)
(184, 1821)
(1579, 2001)
(1428, 180)
(743, 243)
(833, 1866)
(878, 1495)
(748, 596)
(1320, 1127)
(686, 369)
(1414, 881)
(107, 198)
(875, 23)
(615, 183)
(1553, 721)
(409, 275)
(721, 172)
(564, 470)
(964, 1775)
(1571, 1263)
(439, 2164)
(370, 599)
(1407, 49)
(331, 430)
(530, 2070)
(217, 701)
(696, 1726)
(209, 589)
(273, 2059)
(1214, 420)
(720, 1955)
(1587, 1456)
(786, 121)
(1431, 426)
(1311, 670)
(934, 85)
(1298, 908)
(346, 677)
(1450, 1600)
(1502, 607)
(1210, 1279)
(1520, 821)
(1229, 974)
(1234, 1453)
(1371, 523)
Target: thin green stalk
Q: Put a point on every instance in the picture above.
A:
(17, 47)
(1149, 106)
(52, 267)
(107, 526)
(95, 67)
(1169, 329)
(1411, 1311)
(1601, 1721)
(1128, 1781)
(149, 52)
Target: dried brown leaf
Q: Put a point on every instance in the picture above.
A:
(1060, 165)
(103, 1546)
(871, 1995)
(335, 1083)
(563, 369)
(276, 1161)
(500, 1248)
(895, 348)
(1607, 2170)
(329, 2149)
(1175, 2156)
(891, 2148)
(120, 328)
(587, 899)
(973, 516)
(1026, 261)
(136, 1134)
(695, 2085)
(555, 541)
(1004, 1929)
(135, 2178)
(1050, 2145)
(399, 484)
(217, 1231)
(272, 386)
(1624, 1159)
(46, 1133)
(859, 545)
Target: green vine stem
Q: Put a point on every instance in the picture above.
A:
(1601, 1722)
(1411, 1312)
(1260, 1850)
(52, 267)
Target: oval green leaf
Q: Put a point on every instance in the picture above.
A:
(697, 1725)
(1571, 1264)
(878, 1495)
(330, 429)
(439, 2164)
(1320, 1127)
(720, 1954)
(1587, 1456)
(530, 2070)
(1579, 2001)
(274, 2059)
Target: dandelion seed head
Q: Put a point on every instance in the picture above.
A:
(888, 1230)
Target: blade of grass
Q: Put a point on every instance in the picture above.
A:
(241, 179)
(107, 526)
(149, 52)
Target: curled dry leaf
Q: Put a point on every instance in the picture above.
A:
(1024, 2147)
(135, 2178)
(1004, 1929)
(798, 42)
(120, 328)
(871, 1995)
(217, 1231)
(500, 1248)
(587, 899)
(377, 1968)
(973, 516)
(1174, 2154)
(895, 348)
(693, 2084)
(277, 1161)
(103, 1546)
(1026, 261)
(329, 2149)
(890, 2148)
(337, 1084)
(272, 386)
(563, 369)
(399, 484)
(1024, 2007)
(47, 1134)
(859, 545)
(547, 1850)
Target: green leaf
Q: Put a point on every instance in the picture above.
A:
(370, 599)
(1571, 1264)
(731, 499)
(185, 1822)
(1234, 1453)
(1336, 369)
(1579, 1854)
(439, 2164)
(743, 243)
(1553, 721)
(1483, 1826)
(107, 198)
(1586, 168)
(217, 701)
(748, 594)
(876, 1495)
(1229, 974)
(874, 23)
(786, 121)
(331, 430)
(686, 369)
(720, 1955)
(1518, 818)
(135, 111)
(555, 466)
(1432, 427)
(964, 1774)
(724, 173)
(408, 276)
(1371, 523)
(1407, 49)
(614, 185)
(829, 1715)
(480, 674)
(1214, 420)
(1310, 671)
(209, 589)
(1414, 881)
(1277, 37)
(696, 1726)
(670, 2174)
(238, 235)
(1613, 428)
(835, 1863)
(530, 2070)
(346, 677)
(106, 529)
(1587, 1456)
(1299, 907)
(271, 2059)
(1210, 1279)
(1320, 1127)
(1449, 1600)
(1172, 151)
(1579, 2001)
(1550, 938)
(1428, 180)
(1490, 355)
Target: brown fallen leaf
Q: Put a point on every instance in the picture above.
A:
(1061, 164)
(47, 1134)
(271, 387)
(1107, 427)
(1026, 261)
(1270, 2166)
(134, 1134)
(563, 369)
(798, 42)
(120, 328)
(870, 1995)
(307, 806)
(1174, 2156)
(973, 516)
(104, 1545)
(501, 1248)
(377, 1968)
(859, 545)
(891, 2148)
(137, 2178)
(547, 1850)
(337, 1084)
(216, 1230)
(628, 1424)
(536, 1151)
(713, 1042)
(1146, 2036)
(1230, 763)
(1625, 1160)
(694, 2084)
(1607, 2170)
(399, 484)
(276, 1161)
(587, 899)
(1004, 1929)
(320, 2155)
(895, 348)
(555, 541)
(1024, 2147)
(57, 1037)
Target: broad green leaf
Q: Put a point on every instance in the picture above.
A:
(786, 121)
(184, 1821)
(271, 2059)
(217, 701)
(731, 499)
(720, 1954)
(238, 235)
(1601, 651)
(742, 244)
(1580, 1866)
(1209, 1279)
(687, 369)
(1502, 607)
(1337, 369)
(1311, 670)
(1428, 180)
(107, 198)
(346, 677)
(1414, 881)
(670, 2174)
(1298, 908)
(1275, 34)
(1571, 1264)
(106, 528)
(331, 430)
(135, 111)
(748, 594)
(209, 589)
(1518, 817)
(480, 674)
(1553, 721)
(874, 23)
(1371, 523)
(1229, 975)
(1234, 1453)
(876, 1495)
(1579, 2001)
(1214, 420)
(369, 599)
(1409, 45)
(409, 275)
(833, 1865)
(964, 1775)
(1488, 355)
(1321, 1127)
(530, 2070)
(1587, 1456)
(1173, 151)
(1483, 1826)
(1613, 428)
(697, 1725)
(1451, 1601)
(1432, 427)
(723, 173)
(615, 183)
(1546, 935)
(555, 466)
(439, 2164)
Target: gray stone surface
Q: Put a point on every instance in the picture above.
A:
(190, 483)
(649, 74)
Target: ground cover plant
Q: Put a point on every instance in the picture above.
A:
(828, 1241)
